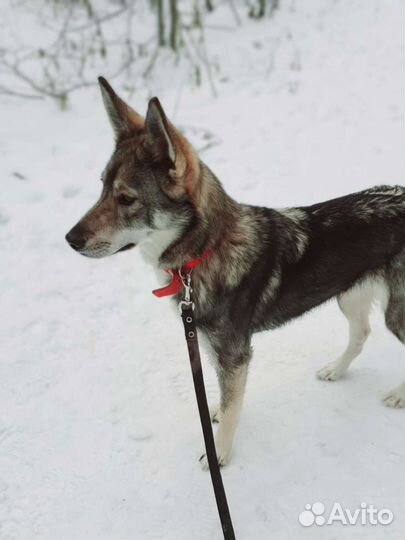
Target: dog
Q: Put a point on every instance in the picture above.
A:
(258, 267)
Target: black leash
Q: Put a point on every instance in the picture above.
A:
(190, 328)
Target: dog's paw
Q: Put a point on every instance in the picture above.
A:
(395, 399)
(223, 459)
(330, 372)
(215, 413)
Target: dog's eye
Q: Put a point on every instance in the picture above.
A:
(125, 200)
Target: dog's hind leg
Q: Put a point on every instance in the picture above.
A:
(395, 320)
(355, 304)
(232, 383)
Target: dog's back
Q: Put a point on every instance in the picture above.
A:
(348, 239)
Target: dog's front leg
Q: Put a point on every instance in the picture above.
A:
(232, 382)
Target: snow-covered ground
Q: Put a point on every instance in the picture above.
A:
(99, 436)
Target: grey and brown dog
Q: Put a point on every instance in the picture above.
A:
(264, 267)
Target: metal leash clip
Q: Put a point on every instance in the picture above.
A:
(186, 302)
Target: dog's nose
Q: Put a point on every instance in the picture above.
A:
(75, 239)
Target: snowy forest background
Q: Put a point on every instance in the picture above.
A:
(289, 102)
(69, 41)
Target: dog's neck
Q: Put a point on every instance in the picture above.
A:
(156, 243)
(216, 214)
(216, 226)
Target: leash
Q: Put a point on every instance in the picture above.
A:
(187, 314)
(181, 280)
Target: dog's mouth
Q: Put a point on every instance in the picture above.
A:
(125, 248)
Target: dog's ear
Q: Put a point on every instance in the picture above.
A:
(168, 146)
(159, 134)
(123, 118)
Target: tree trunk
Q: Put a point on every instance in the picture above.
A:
(209, 5)
(258, 11)
(262, 9)
(161, 23)
(174, 24)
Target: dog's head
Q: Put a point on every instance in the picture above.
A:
(150, 184)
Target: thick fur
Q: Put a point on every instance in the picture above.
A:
(265, 267)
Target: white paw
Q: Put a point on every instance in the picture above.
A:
(330, 372)
(395, 399)
(223, 459)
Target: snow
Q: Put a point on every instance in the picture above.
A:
(99, 436)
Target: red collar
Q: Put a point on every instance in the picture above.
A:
(176, 283)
